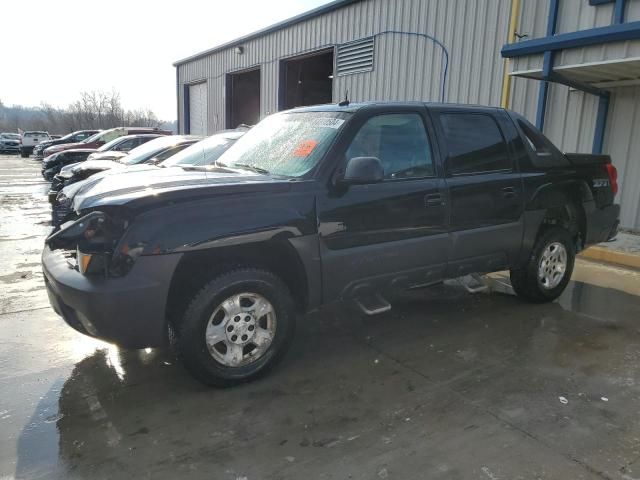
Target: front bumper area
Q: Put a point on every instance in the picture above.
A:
(128, 311)
(10, 148)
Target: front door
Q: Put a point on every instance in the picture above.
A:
(390, 234)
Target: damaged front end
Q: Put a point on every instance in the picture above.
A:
(90, 244)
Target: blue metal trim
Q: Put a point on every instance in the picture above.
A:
(582, 38)
(547, 66)
(601, 124)
(618, 12)
(541, 110)
(594, 3)
(178, 100)
(187, 112)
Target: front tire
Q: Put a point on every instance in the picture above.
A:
(24, 154)
(236, 327)
(548, 271)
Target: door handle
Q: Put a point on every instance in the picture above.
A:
(508, 192)
(433, 200)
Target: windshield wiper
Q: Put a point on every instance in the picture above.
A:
(253, 168)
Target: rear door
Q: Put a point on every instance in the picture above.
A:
(390, 234)
(485, 189)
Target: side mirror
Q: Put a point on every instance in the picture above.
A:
(362, 170)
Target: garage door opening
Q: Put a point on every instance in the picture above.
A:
(243, 98)
(306, 80)
(197, 104)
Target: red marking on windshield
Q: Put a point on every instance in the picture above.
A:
(305, 148)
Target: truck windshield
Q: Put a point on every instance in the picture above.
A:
(204, 152)
(288, 144)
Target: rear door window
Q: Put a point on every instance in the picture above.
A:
(474, 144)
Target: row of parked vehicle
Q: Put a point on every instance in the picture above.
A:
(216, 245)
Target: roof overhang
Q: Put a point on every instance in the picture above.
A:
(604, 74)
(329, 7)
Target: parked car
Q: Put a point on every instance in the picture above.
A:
(321, 204)
(121, 146)
(204, 152)
(118, 145)
(152, 152)
(29, 140)
(105, 136)
(9, 142)
(53, 163)
(75, 137)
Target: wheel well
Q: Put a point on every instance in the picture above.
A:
(197, 268)
(571, 216)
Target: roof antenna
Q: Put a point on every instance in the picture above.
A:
(345, 102)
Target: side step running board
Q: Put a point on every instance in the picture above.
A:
(473, 283)
(373, 304)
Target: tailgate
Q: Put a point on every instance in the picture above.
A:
(587, 159)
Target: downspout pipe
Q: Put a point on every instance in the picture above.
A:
(618, 11)
(511, 38)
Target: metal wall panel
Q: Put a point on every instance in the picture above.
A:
(526, 63)
(405, 67)
(598, 53)
(574, 15)
(570, 120)
(622, 142)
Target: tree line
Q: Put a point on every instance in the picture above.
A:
(92, 110)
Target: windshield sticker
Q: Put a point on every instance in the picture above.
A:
(327, 122)
(305, 148)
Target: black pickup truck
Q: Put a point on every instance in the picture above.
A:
(321, 204)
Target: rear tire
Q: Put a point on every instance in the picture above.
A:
(548, 271)
(224, 339)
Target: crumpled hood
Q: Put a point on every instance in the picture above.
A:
(167, 184)
(64, 146)
(84, 185)
(96, 165)
(109, 155)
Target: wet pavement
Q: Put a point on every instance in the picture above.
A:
(447, 385)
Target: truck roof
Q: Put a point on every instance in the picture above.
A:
(355, 106)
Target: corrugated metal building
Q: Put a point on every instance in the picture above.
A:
(574, 68)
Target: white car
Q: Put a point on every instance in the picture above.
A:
(30, 140)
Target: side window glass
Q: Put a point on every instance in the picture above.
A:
(125, 146)
(400, 142)
(474, 144)
(111, 136)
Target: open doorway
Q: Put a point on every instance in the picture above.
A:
(243, 98)
(306, 80)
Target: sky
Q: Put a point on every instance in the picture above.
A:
(54, 49)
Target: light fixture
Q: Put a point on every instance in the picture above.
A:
(239, 50)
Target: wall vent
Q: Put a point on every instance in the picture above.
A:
(355, 57)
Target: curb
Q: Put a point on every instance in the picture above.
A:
(611, 256)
